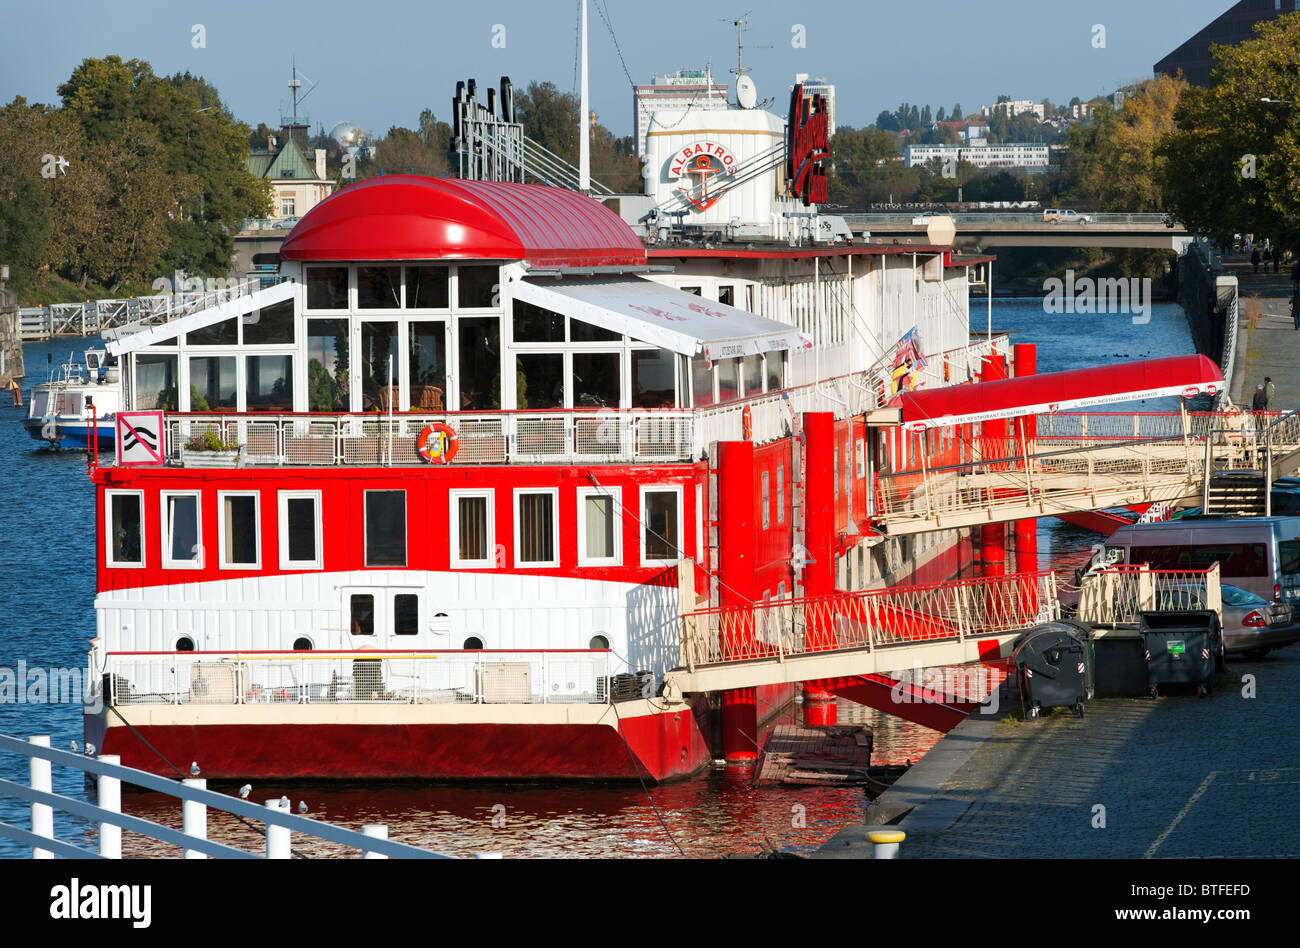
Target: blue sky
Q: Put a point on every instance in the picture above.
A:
(380, 62)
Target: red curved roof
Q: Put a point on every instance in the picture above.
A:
(1060, 391)
(411, 217)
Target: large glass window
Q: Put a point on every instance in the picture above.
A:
(270, 326)
(653, 383)
(406, 614)
(471, 528)
(268, 383)
(596, 379)
(224, 333)
(300, 531)
(661, 525)
(212, 383)
(480, 363)
(126, 530)
(327, 287)
(427, 354)
(775, 367)
(728, 380)
(701, 382)
(478, 287)
(181, 531)
(378, 344)
(362, 609)
(239, 538)
(534, 324)
(155, 382)
(586, 332)
(599, 534)
(385, 528)
(752, 372)
(379, 287)
(540, 381)
(427, 287)
(536, 541)
(327, 365)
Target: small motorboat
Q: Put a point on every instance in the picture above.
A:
(78, 403)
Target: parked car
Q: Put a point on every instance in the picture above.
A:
(923, 219)
(1064, 216)
(1251, 624)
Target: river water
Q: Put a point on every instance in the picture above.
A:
(47, 618)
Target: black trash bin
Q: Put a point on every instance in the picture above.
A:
(1181, 647)
(1053, 666)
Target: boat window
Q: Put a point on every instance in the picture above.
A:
(727, 294)
(598, 643)
(535, 324)
(752, 373)
(780, 493)
(473, 644)
(471, 528)
(327, 287)
(224, 333)
(480, 364)
(478, 287)
(385, 528)
(701, 382)
(587, 332)
(540, 380)
(379, 287)
(363, 614)
(185, 644)
(596, 379)
(1234, 559)
(536, 539)
(181, 528)
(300, 533)
(775, 367)
(268, 383)
(302, 644)
(270, 326)
(427, 357)
(653, 384)
(378, 344)
(212, 383)
(406, 614)
(327, 366)
(766, 480)
(728, 380)
(126, 530)
(427, 287)
(155, 382)
(598, 529)
(693, 290)
(661, 525)
(239, 540)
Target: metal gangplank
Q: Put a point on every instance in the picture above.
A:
(1081, 462)
(886, 631)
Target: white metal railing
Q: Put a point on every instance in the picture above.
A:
(356, 677)
(195, 798)
(1116, 594)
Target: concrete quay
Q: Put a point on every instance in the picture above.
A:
(1177, 776)
(1272, 345)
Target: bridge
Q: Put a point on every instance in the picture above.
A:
(94, 317)
(984, 231)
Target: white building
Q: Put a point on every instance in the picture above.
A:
(1016, 107)
(687, 90)
(821, 87)
(1030, 156)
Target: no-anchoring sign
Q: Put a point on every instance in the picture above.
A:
(139, 438)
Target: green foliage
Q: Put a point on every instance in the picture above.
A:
(866, 168)
(211, 440)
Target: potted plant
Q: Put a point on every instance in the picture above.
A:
(210, 449)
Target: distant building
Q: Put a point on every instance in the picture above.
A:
(1028, 156)
(821, 87)
(1231, 27)
(1081, 112)
(296, 173)
(687, 90)
(1015, 107)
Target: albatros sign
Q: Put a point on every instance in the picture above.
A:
(699, 170)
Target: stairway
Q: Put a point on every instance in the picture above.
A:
(1236, 494)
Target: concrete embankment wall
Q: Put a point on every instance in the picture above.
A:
(1209, 297)
(11, 346)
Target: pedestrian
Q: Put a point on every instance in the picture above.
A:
(1258, 402)
(1269, 390)
(1254, 259)
(16, 391)
(1295, 277)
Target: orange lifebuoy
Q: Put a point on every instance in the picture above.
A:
(747, 423)
(437, 443)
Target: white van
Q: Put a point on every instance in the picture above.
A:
(1064, 216)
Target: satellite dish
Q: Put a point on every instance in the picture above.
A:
(746, 93)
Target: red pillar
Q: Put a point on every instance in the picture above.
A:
(819, 541)
(993, 438)
(1026, 531)
(737, 590)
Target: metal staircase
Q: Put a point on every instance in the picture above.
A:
(1236, 494)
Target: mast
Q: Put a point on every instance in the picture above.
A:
(584, 118)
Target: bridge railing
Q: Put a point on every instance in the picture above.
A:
(1117, 594)
(195, 799)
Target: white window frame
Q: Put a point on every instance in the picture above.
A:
(453, 504)
(554, 493)
(108, 530)
(282, 528)
(617, 494)
(222, 561)
(406, 529)
(164, 525)
(641, 522)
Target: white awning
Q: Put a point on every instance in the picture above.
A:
(166, 333)
(661, 316)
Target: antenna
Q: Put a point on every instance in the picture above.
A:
(294, 85)
(741, 24)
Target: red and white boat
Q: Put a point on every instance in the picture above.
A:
(474, 478)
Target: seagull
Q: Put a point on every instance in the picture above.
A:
(194, 768)
(302, 806)
(90, 749)
(284, 803)
(73, 747)
(245, 790)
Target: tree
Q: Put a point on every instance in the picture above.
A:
(550, 118)
(1233, 163)
(957, 114)
(866, 168)
(926, 118)
(887, 121)
(939, 116)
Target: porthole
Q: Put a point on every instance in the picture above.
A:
(598, 642)
(302, 644)
(472, 644)
(185, 644)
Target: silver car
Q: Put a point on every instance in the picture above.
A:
(1251, 624)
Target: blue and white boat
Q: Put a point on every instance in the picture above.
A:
(83, 398)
